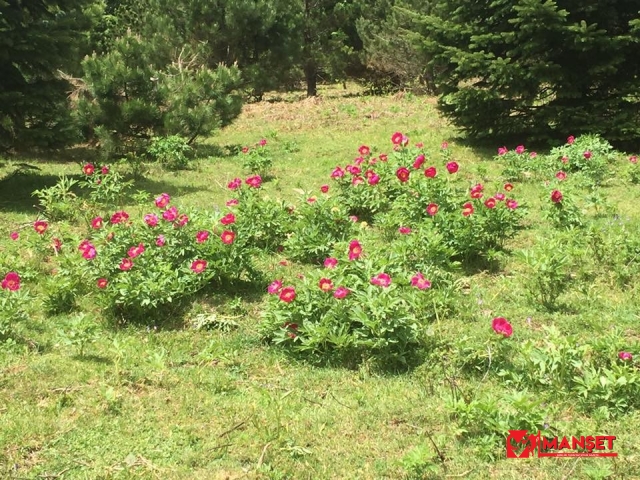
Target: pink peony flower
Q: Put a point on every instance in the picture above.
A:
(119, 217)
(234, 184)
(502, 150)
(355, 250)
(228, 219)
(262, 142)
(324, 188)
(512, 204)
(397, 138)
(364, 150)
(403, 174)
(382, 280)
(357, 180)
(288, 294)
(136, 251)
(96, 223)
(170, 214)
(565, 159)
(533, 155)
(633, 159)
(499, 196)
(227, 237)
(163, 200)
(14, 235)
(341, 292)
(87, 250)
(254, 182)
(561, 175)
(126, 264)
(353, 218)
(476, 191)
(587, 155)
(571, 139)
(11, 282)
(88, 169)
(151, 219)
(359, 160)
(374, 179)
(383, 157)
(330, 262)
(202, 236)
(182, 220)
(520, 149)
(232, 202)
(325, 284)
(444, 145)
(198, 266)
(40, 226)
(404, 230)
(337, 173)
(430, 172)
(56, 244)
(274, 287)
(625, 356)
(245, 149)
(501, 326)
(432, 209)
(353, 169)
(452, 167)
(556, 196)
(104, 170)
(420, 159)
(102, 283)
(420, 282)
(160, 241)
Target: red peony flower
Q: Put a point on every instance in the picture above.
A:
(502, 150)
(234, 184)
(403, 174)
(56, 244)
(397, 138)
(262, 142)
(490, 202)
(476, 191)
(160, 241)
(88, 169)
(14, 235)
(383, 157)
(467, 209)
(382, 280)
(337, 173)
(499, 196)
(163, 200)
(254, 182)
(325, 284)
(198, 266)
(182, 220)
(232, 203)
(404, 230)
(126, 264)
(432, 209)
(520, 149)
(341, 292)
(40, 226)
(420, 282)
(324, 188)
(11, 282)
(364, 150)
(96, 223)
(556, 196)
(87, 249)
(633, 159)
(104, 170)
(119, 217)
(170, 214)
(374, 179)
(136, 251)
(353, 169)
(587, 154)
(102, 283)
(151, 219)
(420, 159)
(430, 172)
(245, 150)
(227, 237)
(571, 139)
(288, 294)
(452, 167)
(625, 356)
(274, 287)
(228, 219)
(561, 175)
(330, 262)
(512, 204)
(357, 180)
(508, 187)
(202, 236)
(502, 326)
(355, 250)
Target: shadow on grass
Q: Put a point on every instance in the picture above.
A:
(16, 190)
(97, 359)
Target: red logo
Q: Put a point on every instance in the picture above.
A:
(521, 444)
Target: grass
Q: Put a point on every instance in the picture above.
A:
(177, 402)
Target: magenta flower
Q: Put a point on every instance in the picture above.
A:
(262, 142)
(104, 170)
(96, 223)
(228, 219)
(587, 154)
(88, 169)
(234, 184)
(232, 203)
(126, 264)
(324, 188)
(254, 182)
(14, 235)
(40, 226)
(135, 251)
(163, 200)
(160, 241)
(274, 287)
(288, 294)
(499, 196)
(11, 282)
(512, 204)
(330, 262)
(404, 230)
(502, 150)
(420, 159)
(430, 172)
(561, 175)
(520, 149)
(633, 159)
(119, 217)
(571, 139)
(444, 145)
(340, 292)
(420, 282)
(403, 174)
(397, 138)
(170, 214)
(452, 167)
(202, 236)
(501, 326)
(382, 280)
(355, 250)
(337, 173)
(374, 179)
(625, 356)
(102, 283)
(87, 249)
(198, 266)
(151, 219)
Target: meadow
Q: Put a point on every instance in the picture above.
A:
(495, 294)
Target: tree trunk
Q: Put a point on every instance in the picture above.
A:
(311, 74)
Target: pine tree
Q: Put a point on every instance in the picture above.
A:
(38, 38)
(543, 69)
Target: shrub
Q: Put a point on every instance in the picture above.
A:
(172, 152)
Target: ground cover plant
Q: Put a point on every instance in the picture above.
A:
(373, 303)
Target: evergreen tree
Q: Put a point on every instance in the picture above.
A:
(38, 39)
(543, 69)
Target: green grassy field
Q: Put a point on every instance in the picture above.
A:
(172, 401)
